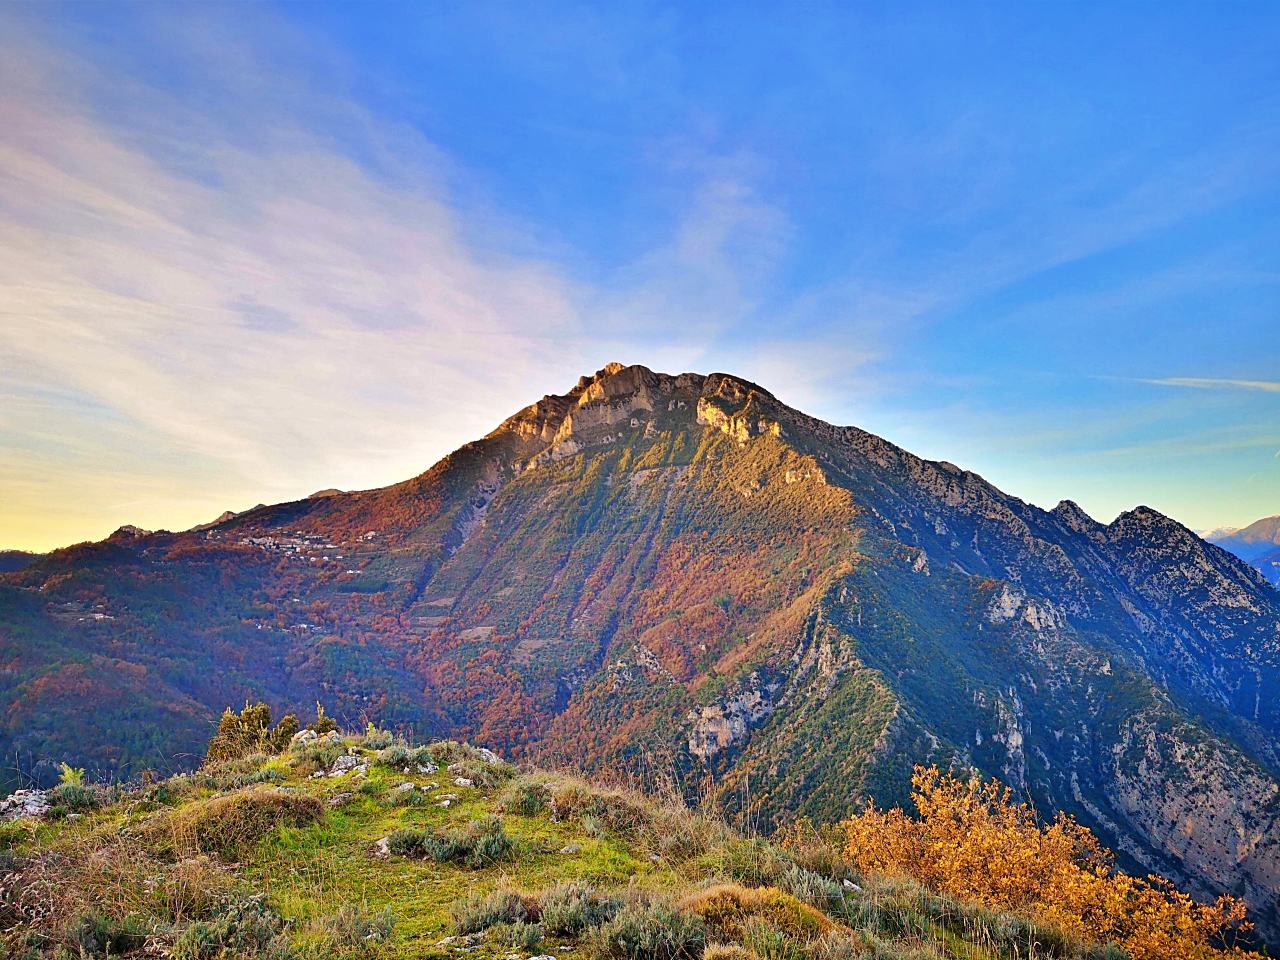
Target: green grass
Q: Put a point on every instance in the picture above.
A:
(126, 873)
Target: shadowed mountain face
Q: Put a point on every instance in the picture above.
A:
(11, 560)
(683, 572)
(1257, 544)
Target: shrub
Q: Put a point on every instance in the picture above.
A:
(406, 759)
(445, 752)
(479, 844)
(74, 797)
(726, 908)
(753, 862)
(650, 931)
(92, 934)
(768, 941)
(226, 824)
(375, 739)
(410, 844)
(71, 775)
(615, 809)
(487, 776)
(814, 852)
(245, 929)
(250, 731)
(482, 911)
(516, 936)
(525, 797)
(355, 925)
(324, 724)
(814, 889)
(400, 797)
(13, 832)
(727, 951)
(572, 906)
(974, 843)
(316, 756)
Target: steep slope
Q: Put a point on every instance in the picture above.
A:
(1248, 543)
(682, 573)
(1257, 544)
(1269, 564)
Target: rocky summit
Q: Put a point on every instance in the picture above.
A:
(682, 576)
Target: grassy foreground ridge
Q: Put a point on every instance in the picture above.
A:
(338, 845)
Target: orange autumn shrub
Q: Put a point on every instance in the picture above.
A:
(973, 842)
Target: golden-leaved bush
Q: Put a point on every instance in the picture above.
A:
(973, 842)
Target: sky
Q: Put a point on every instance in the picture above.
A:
(248, 252)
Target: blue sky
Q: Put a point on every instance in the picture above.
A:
(247, 252)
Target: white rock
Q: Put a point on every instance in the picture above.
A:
(572, 848)
(345, 765)
(464, 782)
(445, 802)
(24, 803)
(488, 756)
(850, 885)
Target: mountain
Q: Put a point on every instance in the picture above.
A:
(11, 560)
(1257, 544)
(682, 574)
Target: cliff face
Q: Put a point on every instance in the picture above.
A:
(681, 573)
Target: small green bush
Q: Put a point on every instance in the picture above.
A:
(479, 844)
(324, 724)
(355, 924)
(487, 776)
(650, 931)
(768, 941)
(445, 752)
(525, 797)
(245, 929)
(316, 756)
(817, 891)
(573, 906)
(413, 797)
(516, 936)
(406, 759)
(480, 911)
(249, 731)
(410, 844)
(375, 739)
(13, 832)
(92, 934)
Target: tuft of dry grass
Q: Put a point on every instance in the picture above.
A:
(228, 824)
(726, 907)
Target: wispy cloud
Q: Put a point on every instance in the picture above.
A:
(296, 312)
(1215, 383)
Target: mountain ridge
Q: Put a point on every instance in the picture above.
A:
(1258, 544)
(683, 571)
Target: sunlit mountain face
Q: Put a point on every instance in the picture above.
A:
(682, 575)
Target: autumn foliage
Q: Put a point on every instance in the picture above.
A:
(973, 842)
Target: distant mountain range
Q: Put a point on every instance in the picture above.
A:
(1258, 544)
(11, 560)
(681, 575)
